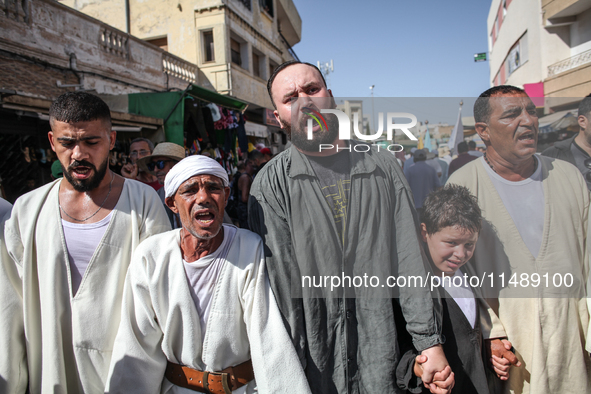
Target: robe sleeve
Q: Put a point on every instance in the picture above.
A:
(267, 219)
(277, 367)
(138, 362)
(13, 363)
(587, 223)
(491, 325)
(155, 218)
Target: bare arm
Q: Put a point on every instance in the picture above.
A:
(244, 184)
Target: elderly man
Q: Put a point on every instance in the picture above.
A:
(165, 156)
(198, 311)
(70, 243)
(140, 148)
(535, 210)
(339, 212)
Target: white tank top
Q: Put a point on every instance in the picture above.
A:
(81, 241)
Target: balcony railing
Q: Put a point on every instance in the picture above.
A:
(570, 63)
(15, 9)
(115, 42)
(179, 68)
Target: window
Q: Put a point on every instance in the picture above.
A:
(245, 3)
(267, 6)
(497, 26)
(235, 52)
(258, 64)
(504, 8)
(518, 55)
(161, 42)
(272, 67)
(208, 48)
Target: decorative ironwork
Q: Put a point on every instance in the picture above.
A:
(114, 42)
(179, 68)
(570, 63)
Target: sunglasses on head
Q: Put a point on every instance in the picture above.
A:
(157, 164)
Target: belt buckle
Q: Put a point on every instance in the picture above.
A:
(226, 382)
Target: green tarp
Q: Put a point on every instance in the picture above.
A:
(216, 98)
(160, 105)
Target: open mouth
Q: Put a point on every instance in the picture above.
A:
(315, 125)
(453, 265)
(527, 137)
(205, 218)
(81, 172)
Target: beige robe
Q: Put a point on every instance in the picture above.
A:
(547, 326)
(160, 322)
(69, 338)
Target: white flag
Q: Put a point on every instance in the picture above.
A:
(457, 135)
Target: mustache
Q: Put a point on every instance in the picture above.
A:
(211, 208)
(82, 163)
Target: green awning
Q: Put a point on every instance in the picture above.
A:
(161, 105)
(167, 104)
(216, 98)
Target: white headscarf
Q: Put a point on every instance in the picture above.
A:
(190, 167)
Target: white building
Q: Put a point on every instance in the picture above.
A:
(543, 46)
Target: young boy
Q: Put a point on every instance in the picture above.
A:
(450, 223)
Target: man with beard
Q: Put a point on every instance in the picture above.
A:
(334, 212)
(535, 212)
(70, 243)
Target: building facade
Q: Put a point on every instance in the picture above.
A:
(235, 43)
(543, 46)
(47, 49)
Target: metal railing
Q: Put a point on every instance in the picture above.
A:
(570, 63)
(179, 68)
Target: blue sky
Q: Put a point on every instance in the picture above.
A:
(412, 48)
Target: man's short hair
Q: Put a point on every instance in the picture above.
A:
(585, 107)
(471, 145)
(147, 141)
(419, 155)
(482, 109)
(74, 107)
(281, 68)
(255, 155)
(462, 147)
(451, 206)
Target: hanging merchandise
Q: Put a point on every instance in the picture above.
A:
(215, 111)
(194, 125)
(241, 134)
(226, 121)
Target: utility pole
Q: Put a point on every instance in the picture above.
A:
(373, 126)
(326, 69)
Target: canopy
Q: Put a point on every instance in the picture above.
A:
(167, 105)
(558, 121)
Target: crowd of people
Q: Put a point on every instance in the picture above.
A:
(140, 283)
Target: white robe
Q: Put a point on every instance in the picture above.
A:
(547, 325)
(159, 322)
(13, 369)
(69, 339)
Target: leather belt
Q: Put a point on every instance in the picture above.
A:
(210, 382)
